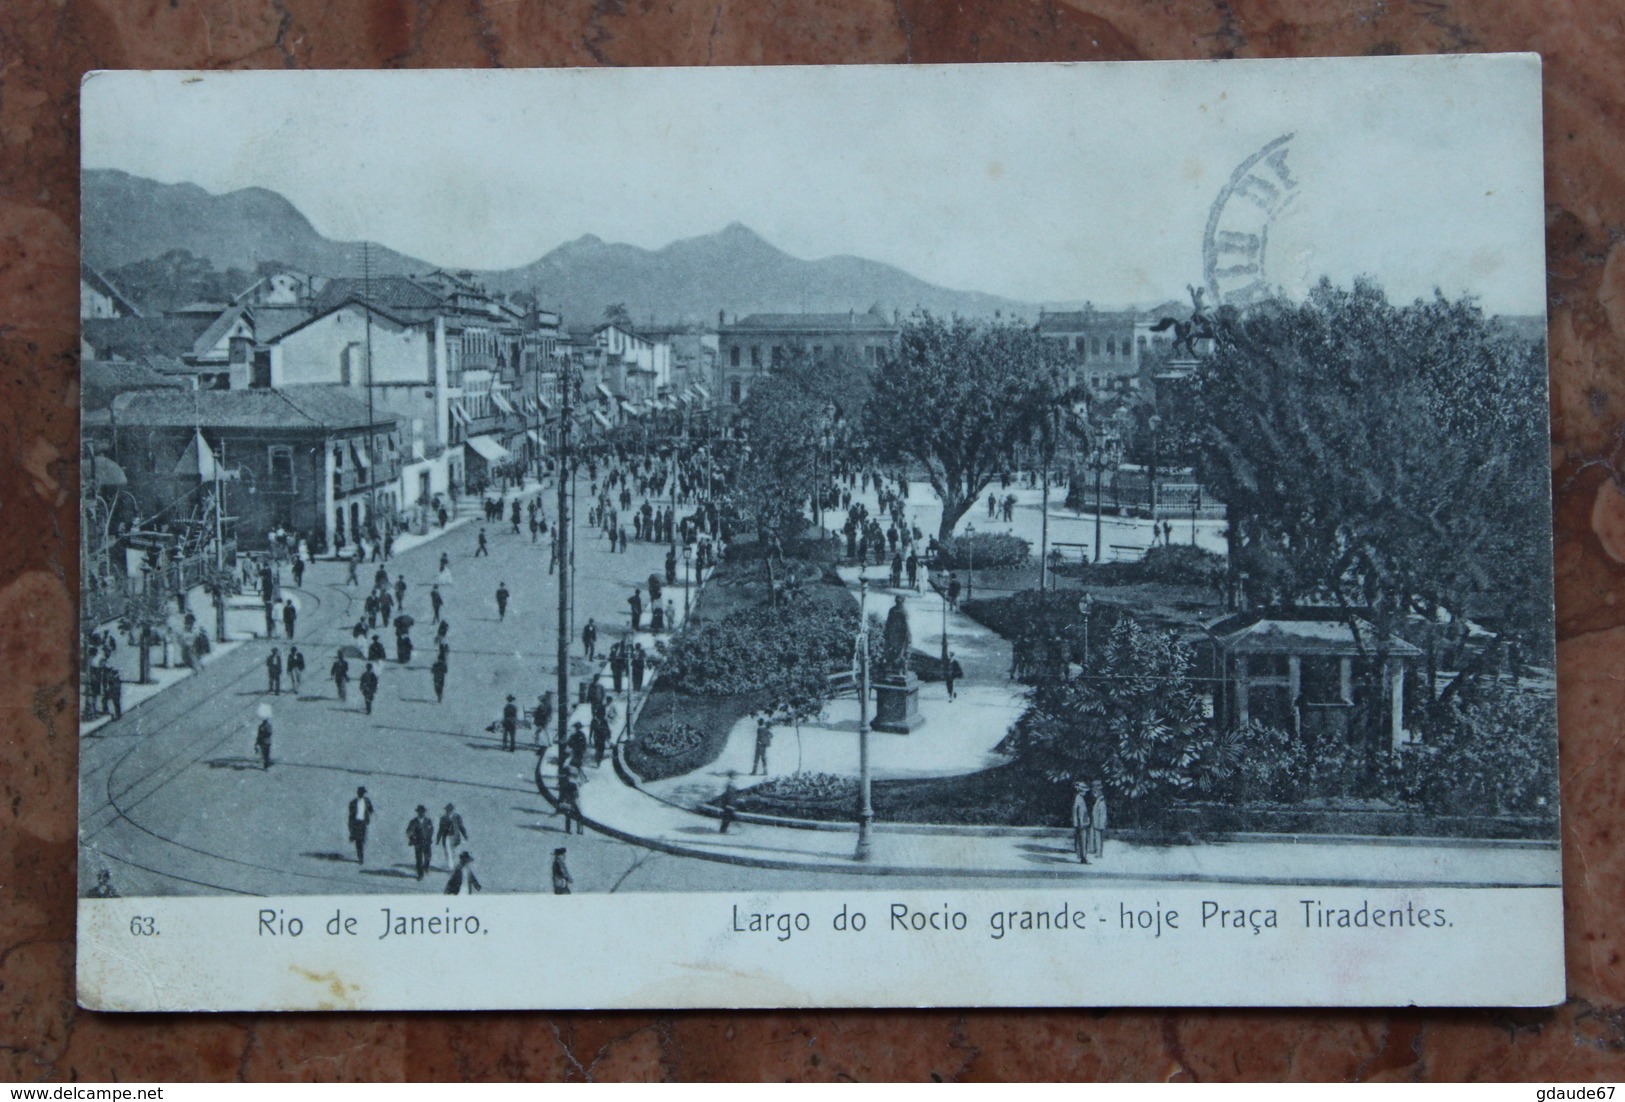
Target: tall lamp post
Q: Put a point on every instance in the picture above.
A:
(866, 811)
(1154, 424)
(1086, 604)
(688, 557)
(970, 560)
(1104, 453)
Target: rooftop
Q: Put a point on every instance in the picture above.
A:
(1304, 631)
(292, 407)
(871, 320)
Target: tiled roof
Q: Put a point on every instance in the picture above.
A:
(270, 322)
(101, 283)
(386, 291)
(100, 380)
(217, 329)
(292, 407)
(129, 338)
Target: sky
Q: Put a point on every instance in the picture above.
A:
(1042, 183)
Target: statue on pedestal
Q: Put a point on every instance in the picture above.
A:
(895, 643)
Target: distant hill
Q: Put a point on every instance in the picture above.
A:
(130, 218)
(127, 218)
(733, 269)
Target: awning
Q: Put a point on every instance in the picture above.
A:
(536, 438)
(489, 449)
(459, 414)
(546, 406)
(604, 390)
(628, 408)
(360, 455)
(500, 402)
(598, 415)
(105, 472)
(704, 393)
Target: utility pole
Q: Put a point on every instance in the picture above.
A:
(566, 555)
(866, 810)
(372, 458)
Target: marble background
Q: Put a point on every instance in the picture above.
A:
(44, 47)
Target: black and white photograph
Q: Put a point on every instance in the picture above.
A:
(942, 535)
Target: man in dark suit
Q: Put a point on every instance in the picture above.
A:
(420, 836)
(359, 819)
(510, 724)
(369, 686)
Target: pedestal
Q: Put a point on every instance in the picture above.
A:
(897, 705)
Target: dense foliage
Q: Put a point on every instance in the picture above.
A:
(791, 648)
(983, 551)
(1381, 458)
(1132, 718)
(1491, 752)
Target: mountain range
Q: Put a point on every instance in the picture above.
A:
(127, 218)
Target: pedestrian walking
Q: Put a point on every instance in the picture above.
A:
(437, 672)
(270, 620)
(369, 685)
(510, 724)
(636, 603)
(764, 739)
(358, 820)
(562, 879)
(463, 881)
(113, 691)
(725, 802)
(1080, 821)
(617, 664)
(1097, 819)
(444, 569)
(671, 615)
(600, 736)
(400, 592)
(640, 658)
(502, 600)
(298, 571)
(482, 549)
(262, 743)
(913, 566)
(570, 798)
(290, 616)
(953, 592)
(436, 602)
(450, 834)
(577, 746)
(296, 667)
(353, 562)
(952, 673)
(420, 836)
(541, 716)
(589, 637)
(340, 673)
(657, 617)
(375, 650)
(273, 672)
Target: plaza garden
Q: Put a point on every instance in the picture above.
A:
(1371, 654)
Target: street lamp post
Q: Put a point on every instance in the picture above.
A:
(1103, 453)
(1085, 605)
(970, 560)
(688, 557)
(1154, 424)
(866, 811)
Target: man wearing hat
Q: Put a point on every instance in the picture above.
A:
(1081, 820)
(420, 836)
(570, 799)
(360, 819)
(561, 873)
(451, 834)
(577, 745)
(1096, 842)
(510, 724)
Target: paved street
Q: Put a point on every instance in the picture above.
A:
(174, 799)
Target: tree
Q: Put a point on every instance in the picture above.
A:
(773, 476)
(617, 314)
(1388, 461)
(1131, 718)
(957, 398)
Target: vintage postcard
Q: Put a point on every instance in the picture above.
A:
(873, 536)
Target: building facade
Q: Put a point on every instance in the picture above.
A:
(750, 347)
